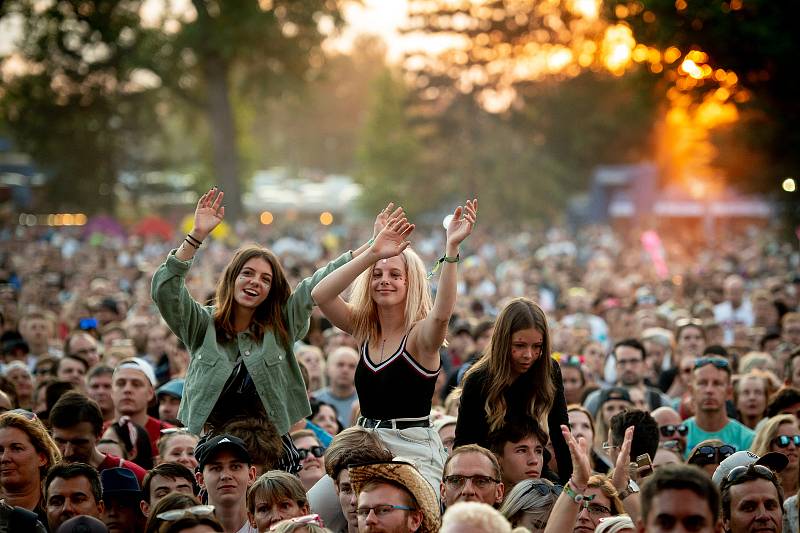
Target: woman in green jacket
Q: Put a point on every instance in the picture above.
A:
(242, 362)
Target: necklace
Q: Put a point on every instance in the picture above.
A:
(383, 346)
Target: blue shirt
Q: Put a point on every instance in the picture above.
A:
(734, 433)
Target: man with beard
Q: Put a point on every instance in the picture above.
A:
(629, 355)
(72, 489)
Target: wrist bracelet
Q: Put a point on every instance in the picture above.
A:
(193, 240)
(443, 259)
(371, 241)
(190, 243)
(574, 496)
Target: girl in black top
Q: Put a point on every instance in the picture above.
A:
(516, 377)
(400, 331)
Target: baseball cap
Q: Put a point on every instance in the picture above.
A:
(773, 460)
(82, 524)
(615, 393)
(137, 363)
(206, 451)
(173, 387)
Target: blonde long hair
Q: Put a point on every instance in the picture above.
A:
(763, 440)
(366, 325)
(519, 314)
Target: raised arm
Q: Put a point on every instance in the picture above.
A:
(207, 216)
(566, 509)
(391, 241)
(430, 336)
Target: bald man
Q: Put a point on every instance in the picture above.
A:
(670, 427)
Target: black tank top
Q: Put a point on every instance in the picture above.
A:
(397, 388)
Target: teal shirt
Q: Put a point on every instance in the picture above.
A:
(734, 433)
(274, 370)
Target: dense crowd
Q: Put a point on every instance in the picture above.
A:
(393, 377)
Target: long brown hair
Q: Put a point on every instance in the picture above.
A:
(519, 314)
(267, 315)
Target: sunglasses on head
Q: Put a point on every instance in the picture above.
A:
(718, 362)
(739, 471)
(783, 441)
(683, 322)
(670, 429)
(544, 488)
(175, 514)
(711, 455)
(316, 451)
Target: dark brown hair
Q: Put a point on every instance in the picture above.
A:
(267, 315)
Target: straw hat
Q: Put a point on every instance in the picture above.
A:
(407, 476)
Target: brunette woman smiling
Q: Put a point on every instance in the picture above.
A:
(241, 348)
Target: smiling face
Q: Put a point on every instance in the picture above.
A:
(252, 284)
(389, 283)
(526, 348)
(313, 467)
(180, 449)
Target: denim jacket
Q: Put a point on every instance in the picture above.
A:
(274, 370)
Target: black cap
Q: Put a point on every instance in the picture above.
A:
(82, 524)
(206, 451)
(615, 393)
(119, 483)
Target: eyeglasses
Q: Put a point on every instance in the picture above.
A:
(382, 511)
(707, 455)
(478, 481)
(313, 519)
(718, 362)
(670, 429)
(595, 509)
(608, 446)
(783, 441)
(544, 488)
(316, 451)
(761, 470)
(175, 514)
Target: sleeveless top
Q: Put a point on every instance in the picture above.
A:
(396, 388)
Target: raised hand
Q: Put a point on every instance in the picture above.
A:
(621, 474)
(208, 214)
(579, 452)
(463, 221)
(393, 238)
(384, 216)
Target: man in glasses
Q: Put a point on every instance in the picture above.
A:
(710, 388)
(752, 500)
(472, 474)
(225, 471)
(77, 424)
(671, 427)
(394, 497)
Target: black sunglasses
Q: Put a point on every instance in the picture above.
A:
(709, 455)
(670, 429)
(316, 451)
(544, 488)
(783, 441)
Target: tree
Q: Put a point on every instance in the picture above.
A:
(758, 41)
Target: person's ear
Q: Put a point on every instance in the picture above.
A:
(145, 507)
(252, 519)
(199, 477)
(251, 477)
(414, 520)
(101, 507)
(500, 491)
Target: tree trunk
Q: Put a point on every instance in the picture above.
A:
(223, 135)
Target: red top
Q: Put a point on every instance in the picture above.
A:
(112, 461)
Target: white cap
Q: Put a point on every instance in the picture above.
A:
(137, 363)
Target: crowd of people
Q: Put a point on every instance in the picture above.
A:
(397, 378)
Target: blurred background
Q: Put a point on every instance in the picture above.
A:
(652, 113)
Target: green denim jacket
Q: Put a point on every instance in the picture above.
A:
(274, 371)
